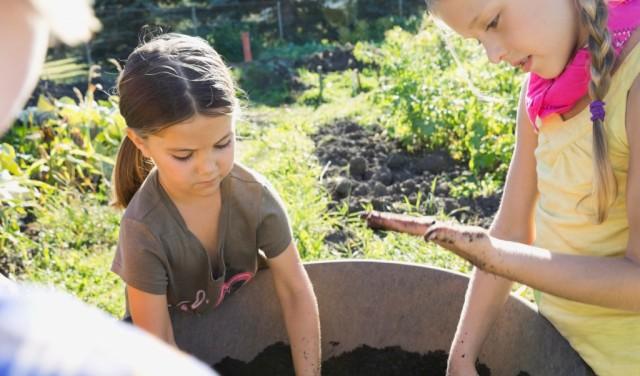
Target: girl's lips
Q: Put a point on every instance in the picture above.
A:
(208, 182)
(524, 64)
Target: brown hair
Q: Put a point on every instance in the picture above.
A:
(165, 81)
(593, 15)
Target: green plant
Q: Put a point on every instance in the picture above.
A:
(438, 91)
(65, 143)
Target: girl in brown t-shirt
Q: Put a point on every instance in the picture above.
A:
(195, 219)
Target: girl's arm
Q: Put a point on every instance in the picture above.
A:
(612, 282)
(633, 178)
(149, 312)
(487, 292)
(300, 310)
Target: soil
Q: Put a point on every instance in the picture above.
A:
(365, 167)
(336, 60)
(363, 361)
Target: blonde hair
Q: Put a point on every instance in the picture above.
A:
(593, 16)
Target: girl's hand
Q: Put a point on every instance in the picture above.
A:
(469, 242)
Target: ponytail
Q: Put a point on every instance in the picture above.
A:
(130, 171)
(593, 15)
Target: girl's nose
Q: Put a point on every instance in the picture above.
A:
(495, 51)
(208, 164)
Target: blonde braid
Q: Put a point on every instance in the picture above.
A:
(593, 15)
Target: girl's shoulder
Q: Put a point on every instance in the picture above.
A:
(147, 202)
(246, 175)
(248, 189)
(244, 183)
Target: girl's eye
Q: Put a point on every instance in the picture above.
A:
(222, 146)
(183, 158)
(494, 23)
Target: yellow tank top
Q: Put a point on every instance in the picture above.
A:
(607, 339)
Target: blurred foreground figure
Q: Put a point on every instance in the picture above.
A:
(27, 27)
(44, 332)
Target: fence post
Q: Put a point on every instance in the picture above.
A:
(279, 10)
(87, 51)
(319, 99)
(400, 6)
(194, 19)
(246, 47)
(356, 87)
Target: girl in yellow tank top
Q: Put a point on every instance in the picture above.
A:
(569, 221)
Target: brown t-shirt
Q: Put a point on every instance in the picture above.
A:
(158, 254)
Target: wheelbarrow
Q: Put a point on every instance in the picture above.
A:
(378, 304)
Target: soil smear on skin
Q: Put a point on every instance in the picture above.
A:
(275, 360)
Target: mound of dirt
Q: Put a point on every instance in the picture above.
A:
(364, 167)
(336, 60)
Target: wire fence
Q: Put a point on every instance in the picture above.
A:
(268, 22)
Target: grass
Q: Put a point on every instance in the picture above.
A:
(278, 144)
(73, 242)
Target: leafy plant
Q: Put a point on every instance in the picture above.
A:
(438, 91)
(65, 142)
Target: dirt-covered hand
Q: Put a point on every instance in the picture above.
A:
(469, 242)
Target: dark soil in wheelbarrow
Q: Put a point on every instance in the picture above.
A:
(275, 360)
(363, 166)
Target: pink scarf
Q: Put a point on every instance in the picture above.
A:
(560, 94)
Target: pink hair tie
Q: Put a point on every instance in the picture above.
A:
(597, 110)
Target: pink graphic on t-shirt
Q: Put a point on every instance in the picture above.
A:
(226, 287)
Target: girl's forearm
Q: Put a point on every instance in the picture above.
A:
(303, 326)
(612, 282)
(483, 302)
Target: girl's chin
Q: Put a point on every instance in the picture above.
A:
(548, 73)
(544, 75)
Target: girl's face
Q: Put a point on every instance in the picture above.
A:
(537, 36)
(192, 157)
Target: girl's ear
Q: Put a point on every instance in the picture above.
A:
(138, 142)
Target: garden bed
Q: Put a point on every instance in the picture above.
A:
(365, 167)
